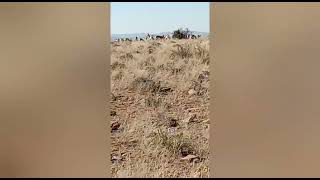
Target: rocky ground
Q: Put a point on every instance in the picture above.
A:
(159, 108)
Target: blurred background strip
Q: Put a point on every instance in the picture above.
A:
(53, 89)
(267, 103)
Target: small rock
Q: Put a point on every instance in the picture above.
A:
(184, 151)
(113, 113)
(116, 158)
(171, 130)
(173, 122)
(115, 126)
(165, 89)
(189, 157)
(192, 92)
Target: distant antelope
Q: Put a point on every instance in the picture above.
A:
(141, 39)
(160, 37)
(167, 37)
(149, 37)
(199, 36)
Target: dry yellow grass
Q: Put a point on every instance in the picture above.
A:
(160, 110)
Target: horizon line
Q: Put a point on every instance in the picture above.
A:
(154, 32)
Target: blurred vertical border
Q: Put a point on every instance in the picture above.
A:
(54, 88)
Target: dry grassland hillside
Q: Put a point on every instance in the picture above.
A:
(159, 108)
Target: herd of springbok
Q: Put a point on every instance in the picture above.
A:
(157, 37)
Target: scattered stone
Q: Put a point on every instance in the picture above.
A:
(116, 158)
(173, 122)
(115, 126)
(113, 113)
(184, 151)
(171, 130)
(165, 89)
(188, 157)
(191, 158)
(192, 92)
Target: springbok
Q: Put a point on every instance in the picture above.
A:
(160, 37)
(149, 37)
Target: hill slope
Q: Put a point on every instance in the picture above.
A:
(160, 100)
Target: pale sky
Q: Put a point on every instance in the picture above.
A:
(155, 17)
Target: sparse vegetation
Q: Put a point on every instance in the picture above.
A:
(181, 34)
(159, 108)
(181, 51)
